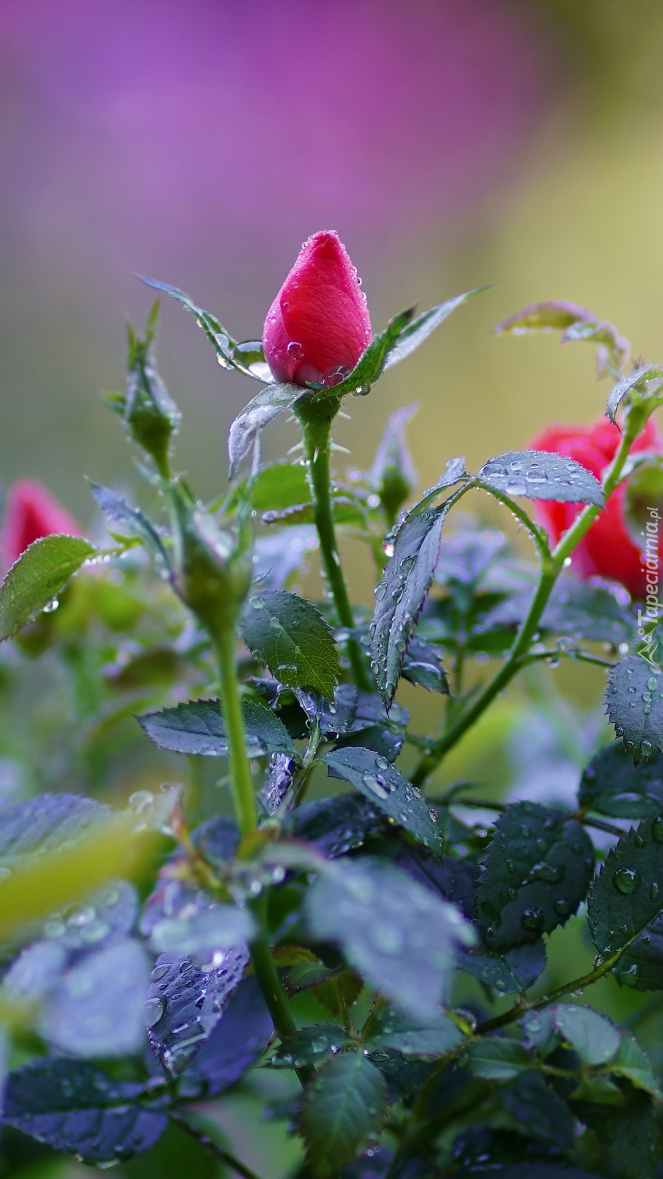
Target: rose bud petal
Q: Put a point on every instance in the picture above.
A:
(30, 513)
(607, 549)
(318, 325)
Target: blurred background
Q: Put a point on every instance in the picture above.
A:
(451, 143)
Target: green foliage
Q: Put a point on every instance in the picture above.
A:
(635, 705)
(341, 1111)
(288, 635)
(38, 575)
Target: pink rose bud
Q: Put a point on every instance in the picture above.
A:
(30, 513)
(318, 325)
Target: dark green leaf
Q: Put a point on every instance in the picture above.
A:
(261, 410)
(537, 1110)
(236, 1041)
(641, 964)
(454, 472)
(310, 1046)
(538, 868)
(496, 1058)
(628, 1137)
(134, 522)
(539, 474)
(336, 825)
(632, 1063)
(346, 509)
(592, 1035)
(198, 727)
(394, 931)
(290, 637)
(385, 786)
(402, 592)
(639, 377)
(634, 699)
(416, 331)
(372, 361)
(510, 973)
(628, 892)
(422, 666)
(455, 880)
(74, 1107)
(37, 576)
(397, 1034)
(341, 1111)
(612, 785)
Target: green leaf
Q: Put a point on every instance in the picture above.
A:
(593, 1036)
(538, 1111)
(289, 636)
(631, 1062)
(341, 1111)
(198, 728)
(628, 1137)
(131, 519)
(642, 503)
(37, 576)
(628, 892)
(277, 486)
(612, 785)
(74, 1107)
(538, 868)
(199, 936)
(401, 594)
(221, 340)
(576, 323)
(639, 378)
(310, 1046)
(599, 1089)
(496, 1058)
(395, 1033)
(396, 932)
(266, 406)
(539, 474)
(346, 509)
(422, 666)
(418, 330)
(634, 698)
(510, 973)
(384, 785)
(372, 361)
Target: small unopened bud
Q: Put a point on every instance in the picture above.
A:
(150, 414)
(212, 578)
(392, 476)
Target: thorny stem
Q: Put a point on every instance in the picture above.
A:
(550, 569)
(204, 1139)
(316, 416)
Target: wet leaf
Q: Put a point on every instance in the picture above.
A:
(37, 577)
(259, 412)
(510, 973)
(538, 868)
(496, 1058)
(74, 1107)
(626, 897)
(198, 728)
(278, 486)
(537, 1109)
(628, 1137)
(418, 330)
(402, 592)
(185, 1003)
(639, 377)
(592, 1035)
(132, 521)
(422, 666)
(393, 930)
(279, 777)
(341, 1111)
(234, 1044)
(634, 699)
(372, 361)
(612, 785)
(384, 785)
(288, 635)
(201, 935)
(539, 474)
(310, 1046)
(336, 825)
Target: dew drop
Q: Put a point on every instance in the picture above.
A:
(626, 880)
(153, 1009)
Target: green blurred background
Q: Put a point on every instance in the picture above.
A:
(451, 143)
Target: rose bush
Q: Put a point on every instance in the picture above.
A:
(383, 951)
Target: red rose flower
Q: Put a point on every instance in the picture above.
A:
(30, 513)
(607, 549)
(318, 325)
